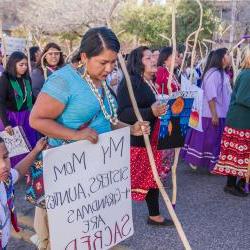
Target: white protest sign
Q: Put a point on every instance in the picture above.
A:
(14, 44)
(16, 144)
(195, 120)
(88, 193)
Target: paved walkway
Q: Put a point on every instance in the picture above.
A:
(211, 219)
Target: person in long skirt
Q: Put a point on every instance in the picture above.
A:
(234, 160)
(144, 187)
(16, 99)
(201, 149)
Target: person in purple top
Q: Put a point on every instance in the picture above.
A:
(201, 149)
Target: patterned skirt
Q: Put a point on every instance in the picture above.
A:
(235, 153)
(142, 178)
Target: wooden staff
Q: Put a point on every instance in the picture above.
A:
(209, 41)
(206, 54)
(238, 60)
(176, 150)
(167, 38)
(186, 50)
(120, 32)
(224, 31)
(151, 158)
(3, 44)
(70, 55)
(29, 38)
(195, 42)
(206, 48)
(174, 174)
(111, 11)
(233, 65)
(174, 49)
(247, 177)
(200, 48)
(231, 50)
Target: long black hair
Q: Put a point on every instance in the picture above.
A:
(165, 53)
(33, 51)
(134, 63)
(216, 61)
(14, 58)
(95, 40)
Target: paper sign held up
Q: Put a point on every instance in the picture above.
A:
(174, 124)
(88, 192)
(16, 144)
(14, 44)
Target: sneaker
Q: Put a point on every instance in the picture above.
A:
(234, 191)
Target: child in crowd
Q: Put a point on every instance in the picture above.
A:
(8, 177)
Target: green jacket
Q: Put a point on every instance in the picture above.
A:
(238, 115)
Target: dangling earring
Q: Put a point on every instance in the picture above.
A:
(85, 71)
(80, 65)
(83, 67)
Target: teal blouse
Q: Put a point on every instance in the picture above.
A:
(81, 106)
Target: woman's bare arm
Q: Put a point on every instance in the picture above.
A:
(43, 118)
(212, 107)
(137, 129)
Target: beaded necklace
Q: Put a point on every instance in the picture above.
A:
(113, 118)
(152, 86)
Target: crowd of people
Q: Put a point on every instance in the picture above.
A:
(61, 102)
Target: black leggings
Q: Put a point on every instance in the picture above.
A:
(152, 200)
(231, 180)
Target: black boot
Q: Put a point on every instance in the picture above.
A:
(233, 188)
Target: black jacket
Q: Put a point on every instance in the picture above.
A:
(144, 97)
(7, 97)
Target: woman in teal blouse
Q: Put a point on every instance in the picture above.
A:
(74, 107)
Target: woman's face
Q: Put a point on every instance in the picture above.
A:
(4, 163)
(168, 61)
(99, 67)
(179, 59)
(53, 57)
(155, 56)
(21, 67)
(147, 61)
(227, 60)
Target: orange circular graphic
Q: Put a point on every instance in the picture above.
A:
(178, 106)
